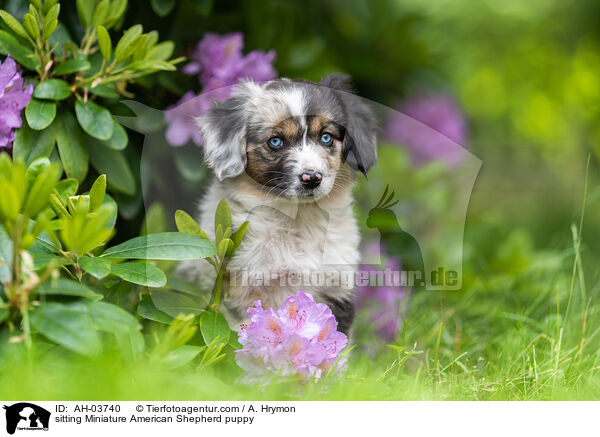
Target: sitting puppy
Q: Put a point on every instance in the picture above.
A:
(284, 154)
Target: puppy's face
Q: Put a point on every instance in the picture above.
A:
(296, 157)
(291, 138)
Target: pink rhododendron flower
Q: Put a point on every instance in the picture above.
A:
(219, 63)
(218, 58)
(441, 133)
(181, 117)
(301, 337)
(13, 99)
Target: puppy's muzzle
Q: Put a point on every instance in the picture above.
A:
(311, 179)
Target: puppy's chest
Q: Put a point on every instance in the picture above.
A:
(307, 241)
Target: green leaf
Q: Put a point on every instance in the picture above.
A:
(119, 138)
(104, 42)
(223, 216)
(31, 26)
(48, 4)
(117, 9)
(97, 192)
(13, 24)
(94, 119)
(174, 303)
(152, 39)
(234, 343)
(140, 273)
(238, 235)
(186, 224)
(218, 235)
(42, 260)
(71, 146)
(85, 10)
(105, 90)
(37, 197)
(34, 170)
(52, 89)
(10, 205)
(82, 233)
(68, 327)
(225, 246)
(115, 166)
(174, 282)
(66, 287)
(66, 188)
(40, 114)
(20, 52)
(79, 205)
(147, 310)
(126, 41)
(49, 30)
(72, 66)
(58, 207)
(51, 14)
(30, 145)
(97, 267)
(111, 318)
(181, 356)
(162, 8)
(137, 50)
(161, 51)
(152, 64)
(12, 187)
(165, 245)
(213, 325)
(100, 13)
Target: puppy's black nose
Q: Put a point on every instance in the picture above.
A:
(311, 179)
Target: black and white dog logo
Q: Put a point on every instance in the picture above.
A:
(26, 416)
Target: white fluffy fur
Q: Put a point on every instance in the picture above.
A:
(298, 239)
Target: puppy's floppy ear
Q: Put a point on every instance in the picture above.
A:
(338, 81)
(223, 129)
(360, 140)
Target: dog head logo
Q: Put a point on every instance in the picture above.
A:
(26, 416)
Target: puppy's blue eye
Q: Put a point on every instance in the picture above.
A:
(326, 138)
(275, 142)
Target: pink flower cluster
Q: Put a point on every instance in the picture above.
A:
(13, 99)
(301, 338)
(439, 132)
(219, 63)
